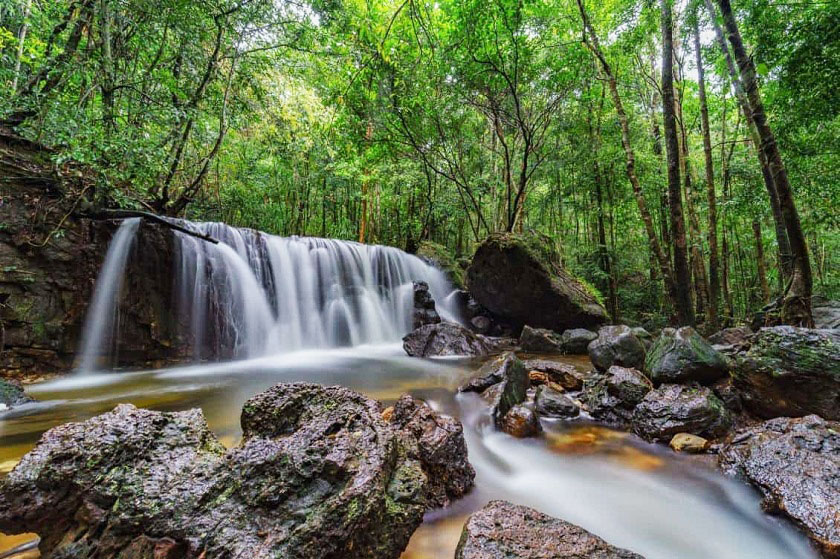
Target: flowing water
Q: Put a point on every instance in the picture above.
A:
(332, 312)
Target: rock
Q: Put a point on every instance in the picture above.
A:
(540, 340)
(616, 345)
(502, 530)
(319, 474)
(512, 388)
(481, 324)
(520, 421)
(557, 372)
(826, 313)
(441, 449)
(737, 336)
(725, 390)
(439, 256)
(795, 463)
(673, 408)
(12, 394)
(444, 338)
(576, 340)
(688, 443)
(684, 356)
(424, 306)
(612, 396)
(791, 372)
(644, 336)
(492, 372)
(551, 403)
(519, 278)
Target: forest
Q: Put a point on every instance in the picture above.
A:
(681, 156)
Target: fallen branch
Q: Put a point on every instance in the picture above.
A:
(125, 214)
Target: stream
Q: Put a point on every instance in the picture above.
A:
(635, 495)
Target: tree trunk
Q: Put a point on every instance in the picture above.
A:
(682, 275)
(364, 218)
(24, 27)
(714, 281)
(593, 44)
(760, 262)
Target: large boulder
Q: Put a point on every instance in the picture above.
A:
(519, 278)
(577, 340)
(540, 340)
(791, 372)
(502, 530)
(735, 336)
(616, 345)
(826, 313)
(319, 473)
(684, 356)
(445, 338)
(424, 311)
(674, 408)
(795, 463)
(439, 256)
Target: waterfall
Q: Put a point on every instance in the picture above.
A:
(102, 321)
(256, 294)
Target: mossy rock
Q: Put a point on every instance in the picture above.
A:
(684, 356)
(519, 278)
(11, 394)
(791, 372)
(440, 257)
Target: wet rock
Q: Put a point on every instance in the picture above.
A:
(576, 340)
(688, 443)
(502, 530)
(481, 324)
(319, 474)
(826, 313)
(519, 278)
(612, 396)
(440, 257)
(12, 394)
(512, 389)
(795, 463)
(737, 336)
(684, 356)
(616, 345)
(791, 372)
(444, 339)
(492, 372)
(424, 311)
(552, 403)
(520, 421)
(540, 340)
(673, 408)
(725, 390)
(557, 372)
(441, 449)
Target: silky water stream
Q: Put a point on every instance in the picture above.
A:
(333, 313)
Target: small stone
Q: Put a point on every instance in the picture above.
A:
(520, 422)
(688, 443)
(563, 374)
(550, 403)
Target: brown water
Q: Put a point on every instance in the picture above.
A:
(635, 495)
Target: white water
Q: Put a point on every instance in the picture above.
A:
(102, 321)
(255, 294)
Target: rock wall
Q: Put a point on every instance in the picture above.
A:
(49, 261)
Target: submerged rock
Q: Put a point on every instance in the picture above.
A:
(520, 421)
(540, 340)
(519, 278)
(502, 530)
(795, 463)
(319, 474)
(616, 345)
(684, 356)
(12, 394)
(576, 340)
(445, 338)
(791, 372)
(551, 403)
(424, 311)
(672, 409)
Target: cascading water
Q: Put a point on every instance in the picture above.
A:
(102, 321)
(255, 294)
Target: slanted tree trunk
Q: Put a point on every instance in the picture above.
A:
(591, 41)
(761, 264)
(682, 275)
(714, 280)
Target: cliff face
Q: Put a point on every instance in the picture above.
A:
(49, 260)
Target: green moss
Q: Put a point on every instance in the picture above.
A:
(440, 256)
